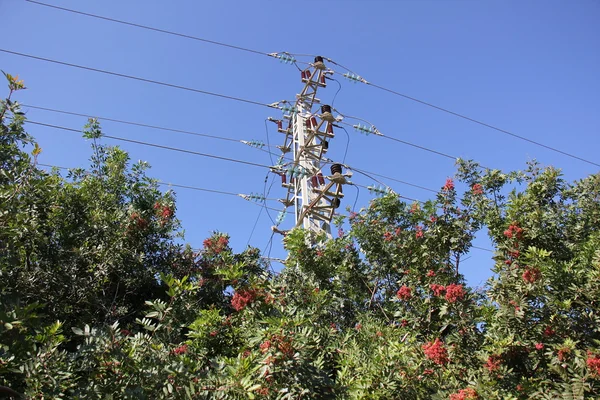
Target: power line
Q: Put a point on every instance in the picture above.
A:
(149, 28)
(183, 187)
(120, 121)
(216, 137)
(238, 195)
(102, 71)
(483, 124)
(156, 145)
(328, 59)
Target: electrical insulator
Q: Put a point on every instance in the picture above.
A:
(353, 77)
(326, 113)
(330, 128)
(313, 121)
(336, 168)
(283, 179)
(321, 178)
(319, 62)
(379, 190)
(314, 180)
(325, 144)
(279, 125)
(286, 58)
(322, 80)
(336, 202)
(280, 217)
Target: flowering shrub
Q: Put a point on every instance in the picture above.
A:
(140, 316)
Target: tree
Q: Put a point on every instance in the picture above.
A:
(98, 299)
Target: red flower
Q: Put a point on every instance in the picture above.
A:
(433, 219)
(213, 333)
(437, 289)
(514, 231)
(167, 212)
(157, 205)
(493, 363)
(539, 346)
(414, 208)
(180, 350)
(265, 346)
(531, 275)
(387, 236)
(514, 254)
(379, 334)
(428, 371)
(449, 185)
(436, 352)
(242, 298)
(465, 394)
(419, 232)
(563, 352)
(430, 273)
(454, 292)
(477, 189)
(403, 323)
(548, 331)
(404, 293)
(593, 362)
(398, 230)
(358, 326)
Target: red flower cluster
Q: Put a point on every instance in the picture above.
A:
(593, 363)
(404, 293)
(414, 208)
(164, 211)
(438, 290)
(436, 352)
(265, 346)
(449, 185)
(531, 275)
(465, 394)
(433, 219)
(242, 298)
(388, 236)
(549, 331)
(216, 246)
(138, 220)
(539, 346)
(430, 273)
(563, 352)
(180, 350)
(477, 189)
(454, 292)
(514, 254)
(514, 231)
(419, 231)
(493, 362)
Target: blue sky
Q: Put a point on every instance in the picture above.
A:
(527, 67)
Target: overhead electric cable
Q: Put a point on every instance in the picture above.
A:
(171, 85)
(328, 59)
(143, 125)
(148, 28)
(483, 124)
(183, 187)
(156, 145)
(216, 137)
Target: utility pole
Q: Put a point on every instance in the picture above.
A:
(313, 194)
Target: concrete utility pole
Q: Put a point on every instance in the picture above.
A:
(313, 194)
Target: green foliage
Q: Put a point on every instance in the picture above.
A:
(99, 301)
